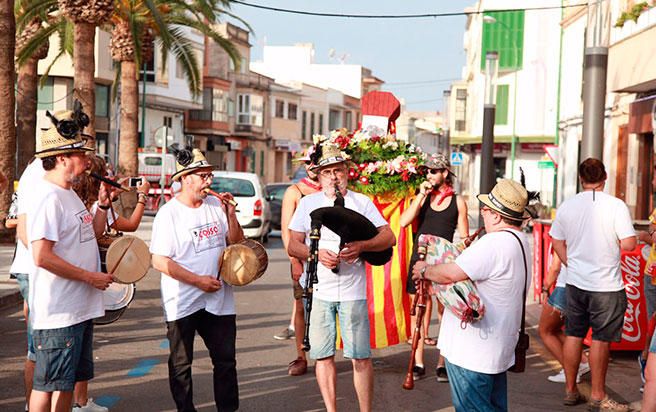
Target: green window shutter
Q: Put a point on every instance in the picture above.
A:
(45, 95)
(262, 163)
(501, 114)
(506, 36)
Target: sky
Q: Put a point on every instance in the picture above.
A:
(417, 58)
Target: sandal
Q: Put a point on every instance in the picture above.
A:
(430, 342)
(573, 399)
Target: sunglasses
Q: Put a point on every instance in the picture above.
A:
(434, 171)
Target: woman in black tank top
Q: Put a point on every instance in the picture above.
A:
(437, 211)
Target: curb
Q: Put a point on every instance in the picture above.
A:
(10, 299)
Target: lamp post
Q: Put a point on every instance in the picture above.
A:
(488, 175)
(446, 121)
(594, 78)
(513, 138)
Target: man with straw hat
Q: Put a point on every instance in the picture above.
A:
(341, 290)
(65, 286)
(290, 200)
(189, 234)
(478, 356)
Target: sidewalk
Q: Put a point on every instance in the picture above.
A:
(9, 294)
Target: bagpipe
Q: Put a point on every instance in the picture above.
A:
(350, 226)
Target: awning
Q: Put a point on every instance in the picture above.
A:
(642, 115)
(463, 140)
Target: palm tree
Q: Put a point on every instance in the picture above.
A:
(26, 96)
(7, 79)
(135, 24)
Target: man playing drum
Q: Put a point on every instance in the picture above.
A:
(65, 286)
(478, 356)
(293, 196)
(342, 293)
(189, 234)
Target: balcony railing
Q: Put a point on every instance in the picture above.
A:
(647, 19)
(250, 79)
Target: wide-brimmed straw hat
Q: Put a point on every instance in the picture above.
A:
(508, 198)
(330, 155)
(65, 134)
(188, 161)
(438, 161)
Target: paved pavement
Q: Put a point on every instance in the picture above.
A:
(131, 355)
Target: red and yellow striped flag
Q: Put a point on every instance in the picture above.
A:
(389, 304)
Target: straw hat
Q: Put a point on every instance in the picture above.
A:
(330, 155)
(438, 161)
(189, 161)
(64, 136)
(507, 197)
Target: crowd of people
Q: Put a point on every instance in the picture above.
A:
(58, 269)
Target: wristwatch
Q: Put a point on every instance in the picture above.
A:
(422, 272)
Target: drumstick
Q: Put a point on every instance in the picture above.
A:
(109, 182)
(220, 197)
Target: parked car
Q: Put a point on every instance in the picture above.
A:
(275, 193)
(299, 174)
(253, 211)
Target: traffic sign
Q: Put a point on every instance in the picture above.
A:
(456, 158)
(545, 164)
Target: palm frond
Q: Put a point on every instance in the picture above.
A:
(46, 73)
(183, 50)
(34, 8)
(37, 41)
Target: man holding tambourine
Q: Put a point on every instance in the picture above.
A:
(189, 234)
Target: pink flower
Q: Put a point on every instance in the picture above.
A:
(364, 180)
(353, 174)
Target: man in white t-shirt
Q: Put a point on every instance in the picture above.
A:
(342, 293)
(23, 264)
(65, 285)
(189, 234)
(478, 356)
(588, 233)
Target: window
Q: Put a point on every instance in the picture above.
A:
(168, 121)
(501, 113)
(461, 110)
(243, 109)
(348, 120)
(179, 72)
(257, 110)
(219, 105)
(320, 123)
(280, 109)
(334, 120)
(102, 100)
(291, 111)
(236, 187)
(311, 124)
(150, 71)
(45, 95)
(506, 36)
(304, 125)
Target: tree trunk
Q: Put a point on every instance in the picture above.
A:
(7, 97)
(129, 139)
(26, 102)
(84, 38)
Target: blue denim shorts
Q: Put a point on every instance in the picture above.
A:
(63, 356)
(477, 392)
(353, 326)
(652, 345)
(558, 299)
(24, 287)
(650, 296)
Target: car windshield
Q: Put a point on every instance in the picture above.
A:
(276, 192)
(237, 187)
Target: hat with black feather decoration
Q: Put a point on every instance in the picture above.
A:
(187, 161)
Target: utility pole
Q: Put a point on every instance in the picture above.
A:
(488, 176)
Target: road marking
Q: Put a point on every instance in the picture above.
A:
(164, 344)
(108, 401)
(143, 368)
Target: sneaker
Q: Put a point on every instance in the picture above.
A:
(442, 376)
(583, 369)
(91, 406)
(607, 404)
(287, 333)
(297, 367)
(418, 372)
(642, 389)
(560, 377)
(643, 363)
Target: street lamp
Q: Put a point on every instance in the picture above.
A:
(488, 176)
(513, 140)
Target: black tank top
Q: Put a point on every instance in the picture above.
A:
(442, 223)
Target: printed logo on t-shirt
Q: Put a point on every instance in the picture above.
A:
(86, 226)
(207, 236)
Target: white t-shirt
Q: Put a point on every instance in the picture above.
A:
(194, 238)
(57, 302)
(350, 283)
(496, 266)
(561, 280)
(591, 230)
(33, 174)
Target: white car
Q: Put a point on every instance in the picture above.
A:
(253, 211)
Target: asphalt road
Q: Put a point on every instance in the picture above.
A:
(131, 356)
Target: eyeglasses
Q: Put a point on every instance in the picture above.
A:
(204, 176)
(486, 209)
(331, 172)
